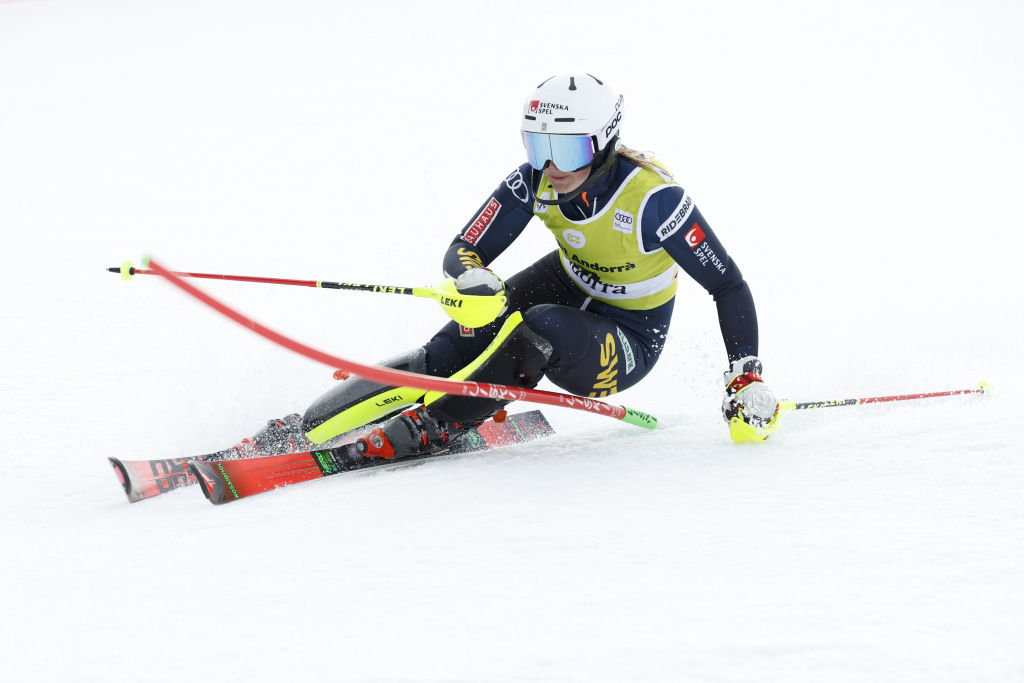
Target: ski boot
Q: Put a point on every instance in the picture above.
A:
(412, 432)
(515, 357)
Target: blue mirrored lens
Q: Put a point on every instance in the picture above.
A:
(567, 152)
(538, 149)
(571, 152)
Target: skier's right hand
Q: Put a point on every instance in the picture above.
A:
(479, 281)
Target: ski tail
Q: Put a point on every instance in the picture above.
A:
(142, 479)
(125, 479)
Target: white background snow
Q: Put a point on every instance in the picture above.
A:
(860, 161)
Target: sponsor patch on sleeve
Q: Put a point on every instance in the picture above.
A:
(695, 236)
(678, 219)
(480, 224)
(517, 185)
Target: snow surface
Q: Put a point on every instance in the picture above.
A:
(862, 164)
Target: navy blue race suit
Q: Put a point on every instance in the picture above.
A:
(561, 311)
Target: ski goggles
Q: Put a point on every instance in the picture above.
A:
(567, 152)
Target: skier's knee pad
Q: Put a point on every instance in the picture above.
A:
(357, 401)
(516, 357)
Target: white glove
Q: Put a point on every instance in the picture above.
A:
(479, 282)
(748, 398)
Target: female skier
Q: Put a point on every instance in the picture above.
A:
(591, 316)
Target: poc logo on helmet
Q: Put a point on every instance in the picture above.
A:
(695, 236)
(613, 125)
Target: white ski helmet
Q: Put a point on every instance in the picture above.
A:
(571, 119)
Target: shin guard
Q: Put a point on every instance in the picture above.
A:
(357, 402)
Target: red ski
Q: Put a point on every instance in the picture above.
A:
(228, 480)
(142, 479)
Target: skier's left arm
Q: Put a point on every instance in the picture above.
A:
(672, 222)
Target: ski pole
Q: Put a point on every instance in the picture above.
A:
(787, 406)
(412, 379)
(741, 432)
(471, 310)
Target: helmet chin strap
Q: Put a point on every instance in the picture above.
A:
(595, 173)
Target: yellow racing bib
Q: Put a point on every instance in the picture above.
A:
(604, 254)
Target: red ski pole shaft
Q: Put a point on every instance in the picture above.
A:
(412, 379)
(127, 271)
(981, 389)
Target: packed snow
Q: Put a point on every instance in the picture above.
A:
(862, 165)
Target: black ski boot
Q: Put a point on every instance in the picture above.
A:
(278, 437)
(412, 432)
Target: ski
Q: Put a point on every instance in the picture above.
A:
(144, 479)
(225, 481)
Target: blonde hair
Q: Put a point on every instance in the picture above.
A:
(641, 159)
